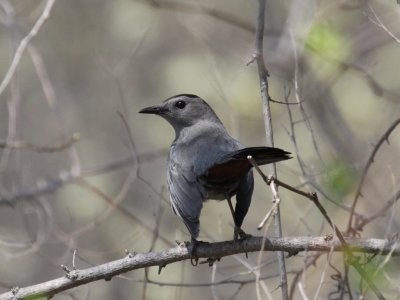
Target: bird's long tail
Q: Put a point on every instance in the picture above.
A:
(262, 155)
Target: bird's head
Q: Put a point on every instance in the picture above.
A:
(183, 110)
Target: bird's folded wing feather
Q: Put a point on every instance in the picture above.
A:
(186, 197)
(232, 166)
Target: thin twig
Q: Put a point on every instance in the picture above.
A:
(193, 8)
(24, 43)
(58, 147)
(113, 202)
(379, 214)
(49, 185)
(380, 24)
(321, 282)
(385, 137)
(312, 196)
(284, 103)
(263, 79)
(296, 278)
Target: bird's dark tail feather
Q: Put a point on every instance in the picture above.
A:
(262, 155)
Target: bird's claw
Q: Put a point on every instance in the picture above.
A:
(239, 234)
(194, 259)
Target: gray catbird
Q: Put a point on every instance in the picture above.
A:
(205, 162)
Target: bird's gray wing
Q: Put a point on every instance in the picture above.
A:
(186, 197)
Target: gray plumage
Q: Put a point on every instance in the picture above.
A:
(205, 162)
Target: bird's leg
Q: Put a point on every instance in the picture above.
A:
(231, 208)
(238, 233)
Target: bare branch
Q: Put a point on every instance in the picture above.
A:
(24, 43)
(362, 221)
(133, 261)
(385, 137)
(49, 185)
(377, 21)
(263, 78)
(60, 146)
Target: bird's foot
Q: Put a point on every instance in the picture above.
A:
(194, 259)
(239, 234)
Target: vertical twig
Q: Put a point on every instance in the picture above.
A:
(263, 74)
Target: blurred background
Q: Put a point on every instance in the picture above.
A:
(74, 177)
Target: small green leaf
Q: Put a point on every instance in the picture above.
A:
(341, 178)
(326, 41)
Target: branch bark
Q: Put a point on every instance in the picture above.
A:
(211, 252)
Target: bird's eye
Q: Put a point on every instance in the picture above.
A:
(180, 104)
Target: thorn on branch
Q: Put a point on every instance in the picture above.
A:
(65, 268)
(252, 59)
(71, 274)
(14, 290)
(160, 267)
(387, 139)
(130, 254)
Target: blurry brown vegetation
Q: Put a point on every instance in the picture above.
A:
(71, 178)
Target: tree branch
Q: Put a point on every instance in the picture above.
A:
(263, 78)
(211, 251)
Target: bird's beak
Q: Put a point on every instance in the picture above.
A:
(156, 110)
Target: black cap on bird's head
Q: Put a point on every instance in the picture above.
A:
(183, 110)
